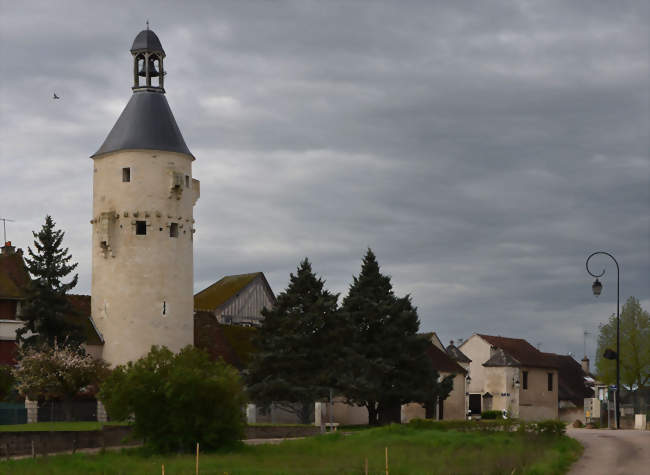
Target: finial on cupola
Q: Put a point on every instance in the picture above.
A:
(148, 54)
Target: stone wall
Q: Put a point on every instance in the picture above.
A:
(280, 432)
(46, 442)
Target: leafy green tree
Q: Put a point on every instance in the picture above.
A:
(46, 306)
(7, 382)
(295, 364)
(635, 347)
(177, 400)
(388, 365)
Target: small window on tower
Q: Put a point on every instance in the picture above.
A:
(141, 228)
(173, 230)
(187, 181)
(126, 174)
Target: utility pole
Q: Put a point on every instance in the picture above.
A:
(584, 341)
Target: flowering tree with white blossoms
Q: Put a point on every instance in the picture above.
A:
(58, 372)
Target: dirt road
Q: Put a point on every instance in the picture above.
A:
(612, 452)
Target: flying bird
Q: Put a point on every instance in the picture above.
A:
(55, 96)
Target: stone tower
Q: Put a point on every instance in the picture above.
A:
(143, 198)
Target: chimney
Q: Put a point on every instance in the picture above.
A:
(8, 248)
(585, 365)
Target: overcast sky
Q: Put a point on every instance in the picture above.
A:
(481, 149)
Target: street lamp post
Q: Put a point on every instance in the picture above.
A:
(597, 288)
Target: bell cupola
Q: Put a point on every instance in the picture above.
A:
(148, 55)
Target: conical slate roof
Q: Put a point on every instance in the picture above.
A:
(146, 40)
(146, 123)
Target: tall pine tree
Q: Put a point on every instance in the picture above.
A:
(293, 367)
(388, 365)
(46, 307)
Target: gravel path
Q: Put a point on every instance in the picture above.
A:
(612, 452)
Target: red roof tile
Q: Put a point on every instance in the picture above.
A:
(442, 361)
(521, 350)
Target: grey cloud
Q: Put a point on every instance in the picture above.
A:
(482, 149)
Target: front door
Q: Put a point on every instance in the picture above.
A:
(475, 404)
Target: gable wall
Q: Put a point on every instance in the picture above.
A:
(247, 305)
(477, 350)
(537, 402)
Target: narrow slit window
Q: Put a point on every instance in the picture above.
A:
(550, 381)
(173, 230)
(187, 181)
(525, 378)
(141, 228)
(126, 174)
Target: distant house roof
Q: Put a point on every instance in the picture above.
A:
(442, 361)
(225, 289)
(82, 318)
(232, 343)
(14, 277)
(456, 354)
(572, 385)
(519, 349)
(501, 358)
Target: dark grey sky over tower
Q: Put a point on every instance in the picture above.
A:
(482, 149)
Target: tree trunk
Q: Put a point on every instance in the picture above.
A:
(372, 413)
(389, 412)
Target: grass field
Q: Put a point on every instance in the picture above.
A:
(410, 451)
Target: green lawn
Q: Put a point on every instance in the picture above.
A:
(56, 426)
(410, 451)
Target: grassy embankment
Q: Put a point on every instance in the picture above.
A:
(410, 451)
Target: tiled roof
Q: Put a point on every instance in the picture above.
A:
(82, 318)
(442, 361)
(456, 354)
(572, 385)
(520, 350)
(501, 358)
(13, 276)
(222, 291)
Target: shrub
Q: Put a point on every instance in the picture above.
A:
(177, 400)
(491, 415)
(7, 381)
(548, 427)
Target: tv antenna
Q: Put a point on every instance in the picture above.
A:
(584, 341)
(4, 226)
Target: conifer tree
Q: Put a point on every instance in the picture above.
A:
(47, 306)
(388, 365)
(295, 365)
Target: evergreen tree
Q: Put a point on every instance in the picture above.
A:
(294, 365)
(388, 365)
(46, 307)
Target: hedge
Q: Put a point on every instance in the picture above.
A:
(548, 427)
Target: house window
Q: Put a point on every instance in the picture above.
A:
(187, 181)
(141, 228)
(550, 381)
(126, 174)
(525, 378)
(173, 230)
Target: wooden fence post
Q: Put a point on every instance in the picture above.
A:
(386, 460)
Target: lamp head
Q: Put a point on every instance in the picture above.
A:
(597, 287)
